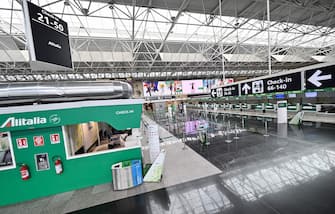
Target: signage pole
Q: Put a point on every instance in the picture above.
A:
(221, 46)
(269, 39)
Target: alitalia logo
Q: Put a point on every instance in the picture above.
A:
(15, 122)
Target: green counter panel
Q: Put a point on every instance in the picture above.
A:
(78, 173)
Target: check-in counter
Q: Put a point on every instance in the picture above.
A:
(293, 107)
(245, 106)
(226, 106)
(237, 107)
(309, 107)
(260, 107)
(270, 107)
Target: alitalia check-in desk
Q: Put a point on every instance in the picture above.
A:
(34, 137)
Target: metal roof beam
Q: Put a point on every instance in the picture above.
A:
(182, 8)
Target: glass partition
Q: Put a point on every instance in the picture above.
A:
(92, 137)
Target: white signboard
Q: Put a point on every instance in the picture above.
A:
(153, 139)
(282, 111)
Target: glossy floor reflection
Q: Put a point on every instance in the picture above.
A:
(291, 171)
(302, 183)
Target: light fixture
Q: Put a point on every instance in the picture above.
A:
(85, 11)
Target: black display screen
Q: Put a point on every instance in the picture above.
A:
(50, 37)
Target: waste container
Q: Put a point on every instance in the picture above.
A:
(127, 174)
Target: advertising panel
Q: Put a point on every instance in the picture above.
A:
(208, 84)
(150, 88)
(192, 86)
(166, 88)
(178, 88)
(191, 127)
(158, 88)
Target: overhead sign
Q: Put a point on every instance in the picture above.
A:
(48, 39)
(320, 78)
(226, 91)
(287, 82)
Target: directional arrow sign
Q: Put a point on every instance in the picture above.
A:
(320, 78)
(316, 78)
(246, 88)
(213, 93)
(226, 91)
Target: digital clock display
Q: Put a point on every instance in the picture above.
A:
(43, 17)
(47, 37)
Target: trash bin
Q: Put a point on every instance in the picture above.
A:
(127, 174)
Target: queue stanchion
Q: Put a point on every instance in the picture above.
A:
(266, 128)
(236, 133)
(184, 141)
(228, 140)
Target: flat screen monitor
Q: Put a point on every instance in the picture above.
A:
(311, 94)
(280, 96)
(292, 95)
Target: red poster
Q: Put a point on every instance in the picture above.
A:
(38, 141)
(22, 143)
(54, 138)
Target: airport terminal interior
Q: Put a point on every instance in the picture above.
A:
(167, 106)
